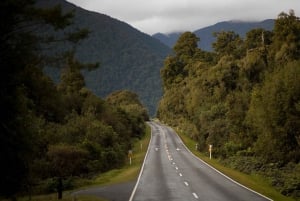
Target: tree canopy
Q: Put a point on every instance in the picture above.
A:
(243, 98)
(53, 132)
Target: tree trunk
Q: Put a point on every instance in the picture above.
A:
(59, 188)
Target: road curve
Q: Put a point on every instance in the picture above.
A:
(172, 173)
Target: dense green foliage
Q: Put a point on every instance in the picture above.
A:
(243, 98)
(129, 102)
(51, 133)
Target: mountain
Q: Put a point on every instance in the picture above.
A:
(206, 34)
(129, 59)
(167, 39)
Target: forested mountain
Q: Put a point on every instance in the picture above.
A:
(52, 134)
(243, 98)
(206, 34)
(167, 39)
(129, 59)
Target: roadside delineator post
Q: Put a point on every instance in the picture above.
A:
(210, 150)
(130, 156)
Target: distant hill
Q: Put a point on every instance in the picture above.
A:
(129, 58)
(167, 39)
(206, 34)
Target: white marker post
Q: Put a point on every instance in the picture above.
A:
(196, 146)
(210, 150)
(130, 156)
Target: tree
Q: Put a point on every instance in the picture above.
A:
(72, 82)
(130, 106)
(27, 94)
(228, 43)
(185, 49)
(273, 115)
(17, 52)
(286, 37)
(65, 161)
(256, 38)
(186, 46)
(255, 63)
(128, 101)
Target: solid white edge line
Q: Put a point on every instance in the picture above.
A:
(221, 172)
(142, 169)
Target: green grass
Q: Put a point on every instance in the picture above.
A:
(253, 181)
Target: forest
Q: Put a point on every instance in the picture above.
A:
(243, 98)
(52, 133)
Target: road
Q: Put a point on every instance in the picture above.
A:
(171, 172)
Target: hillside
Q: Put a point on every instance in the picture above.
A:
(129, 58)
(167, 39)
(206, 34)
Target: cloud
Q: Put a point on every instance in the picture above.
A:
(182, 15)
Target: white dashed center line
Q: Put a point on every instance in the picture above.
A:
(173, 163)
(195, 195)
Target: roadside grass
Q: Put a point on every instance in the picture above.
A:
(252, 181)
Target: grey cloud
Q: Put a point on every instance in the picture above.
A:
(180, 15)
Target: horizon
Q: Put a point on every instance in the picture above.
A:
(233, 21)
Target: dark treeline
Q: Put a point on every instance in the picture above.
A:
(243, 98)
(51, 133)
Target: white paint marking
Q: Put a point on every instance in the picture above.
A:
(176, 168)
(180, 174)
(187, 184)
(195, 195)
(142, 169)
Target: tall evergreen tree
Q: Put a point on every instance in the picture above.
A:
(18, 43)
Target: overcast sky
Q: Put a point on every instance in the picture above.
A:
(152, 16)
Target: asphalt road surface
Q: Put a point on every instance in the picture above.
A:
(170, 173)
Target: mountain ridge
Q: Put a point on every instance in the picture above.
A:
(206, 33)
